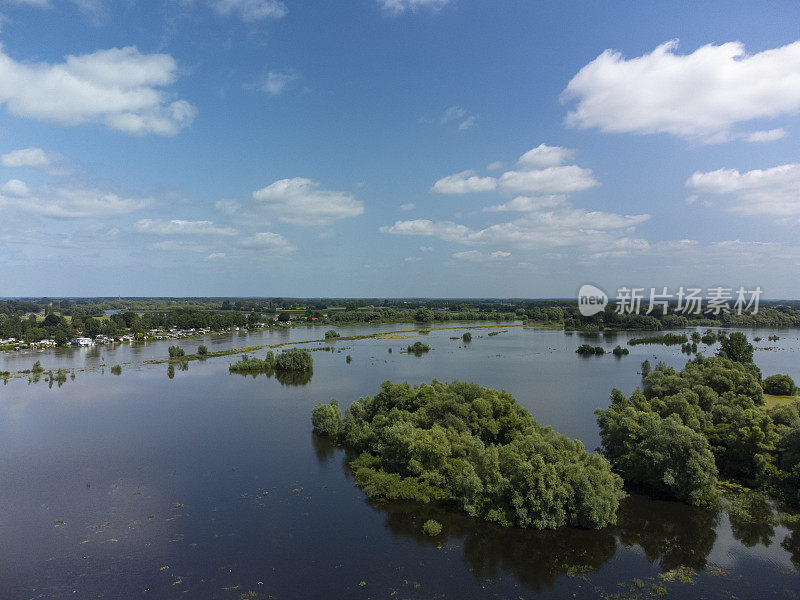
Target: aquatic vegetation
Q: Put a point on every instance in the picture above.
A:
(588, 350)
(466, 338)
(176, 351)
(476, 448)
(432, 527)
(116, 370)
(331, 334)
(171, 371)
(249, 364)
(620, 351)
(294, 359)
(418, 349)
(348, 359)
(685, 428)
(37, 368)
(668, 339)
(202, 351)
(491, 333)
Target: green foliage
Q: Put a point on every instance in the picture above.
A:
(424, 315)
(37, 367)
(249, 364)
(115, 370)
(432, 527)
(327, 419)
(620, 351)
(171, 371)
(477, 448)
(779, 385)
(736, 347)
(418, 349)
(202, 351)
(668, 339)
(175, 351)
(331, 333)
(717, 403)
(466, 338)
(294, 359)
(348, 359)
(646, 368)
(588, 350)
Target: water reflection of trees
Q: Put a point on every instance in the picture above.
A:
(671, 535)
(791, 543)
(284, 377)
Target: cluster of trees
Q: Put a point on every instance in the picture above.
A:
(294, 359)
(684, 430)
(668, 339)
(248, 364)
(474, 447)
(418, 348)
(620, 351)
(779, 385)
(589, 350)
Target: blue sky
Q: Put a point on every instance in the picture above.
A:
(397, 147)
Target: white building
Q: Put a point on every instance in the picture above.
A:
(82, 341)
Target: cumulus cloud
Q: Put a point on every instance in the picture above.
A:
(465, 182)
(276, 82)
(268, 243)
(397, 7)
(539, 172)
(299, 201)
(528, 204)
(181, 227)
(699, 96)
(478, 256)
(66, 202)
(251, 10)
(774, 191)
(119, 88)
(28, 157)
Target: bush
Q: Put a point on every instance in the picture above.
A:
(432, 527)
(348, 359)
(253, 365)
(115, 370)
(418, 348)
(620, 351)
(478, 449)
(294, 359)
(331, 333)
(587, 350)
(175, 351)
(327, 419)
(466, 338)
(779, 385)
(202, 350)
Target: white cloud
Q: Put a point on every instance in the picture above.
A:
(276, 82)
(478, 256)
(552, 180)
(397, 7)
(412, 259)
(251, 10)
(216, 255)
(465, 182)
(426, 249)
(117, 87)
(268, 243)
(15, 188)
(445, 230)
(467, 123)
(407, 207)
(699, 96)
(179, 246)
(454, 114)
(300, 201)
(66, 202)
(495, 166)
(539, 172)
(528, 204)
(36, 3)
(30, 157)
(544, 156)
(180, 227)
(774, 191)
(761, 137)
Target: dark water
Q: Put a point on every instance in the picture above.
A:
(211, 485)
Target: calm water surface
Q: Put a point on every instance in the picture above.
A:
(211, 485)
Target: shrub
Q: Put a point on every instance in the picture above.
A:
(477, 448)
(202, 350)
(466, 338)
(294, 359)
(620, 351)
(327, 419)
(779, 385)
(115, 370)
(418, 348)
(348, 359)
(253, 365)
(175, 351)
(432, 527)
(587, 350)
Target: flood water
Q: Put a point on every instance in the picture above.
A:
(212, 485)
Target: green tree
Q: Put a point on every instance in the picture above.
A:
(327, 419)
(736, 347)
(424, 315)
(779, 385)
